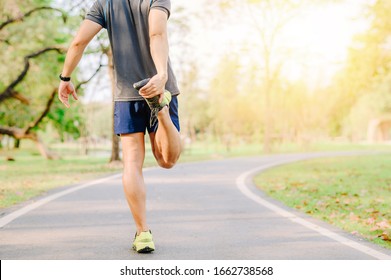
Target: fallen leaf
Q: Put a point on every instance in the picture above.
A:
(370, 221)
(385, 236)
(375, 228)
(347, 201)
(353, 217)
(333, 215)
(383, 225)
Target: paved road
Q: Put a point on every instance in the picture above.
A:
(207, 210)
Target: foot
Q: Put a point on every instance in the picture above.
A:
(153, 103)
(143, 243)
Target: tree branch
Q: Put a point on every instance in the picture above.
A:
(29, 13)
(10, 90)
(43, 114)
(20, 97)
(88, 80)
(17, 133)
(26, 133)
(77, 5)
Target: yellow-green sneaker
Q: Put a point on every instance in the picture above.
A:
(153, 103)
(143, 243)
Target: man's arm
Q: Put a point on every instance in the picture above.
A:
(87, 31)
(159, 52)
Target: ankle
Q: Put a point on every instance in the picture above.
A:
(164, 112)
(164, 109)
(142, 230)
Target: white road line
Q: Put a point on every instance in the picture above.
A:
(14, 215)
(241, 184)
(18, 213)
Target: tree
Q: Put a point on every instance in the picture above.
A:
(268, 19)
(115, 139)
(13, 87)
(361, 91)
(30, 88)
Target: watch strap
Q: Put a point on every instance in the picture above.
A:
(65, 79)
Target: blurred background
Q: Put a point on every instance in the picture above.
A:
(256, 77)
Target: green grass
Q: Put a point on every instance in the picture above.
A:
(353, 193)
(31, 175)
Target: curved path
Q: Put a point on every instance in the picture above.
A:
(205, 210)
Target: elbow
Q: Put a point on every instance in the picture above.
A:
(79, 44)
(160, 35)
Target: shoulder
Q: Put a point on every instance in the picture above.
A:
(164, 5)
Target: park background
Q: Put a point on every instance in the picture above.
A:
(257, 77)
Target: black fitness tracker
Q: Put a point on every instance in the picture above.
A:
(65, 79)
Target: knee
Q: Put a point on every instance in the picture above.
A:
(164, 163)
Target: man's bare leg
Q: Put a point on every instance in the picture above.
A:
(133, 148)
(166, 141)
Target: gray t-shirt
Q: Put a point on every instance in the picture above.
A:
(126, 22)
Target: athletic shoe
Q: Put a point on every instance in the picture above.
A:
(153, 103)
(143, 243)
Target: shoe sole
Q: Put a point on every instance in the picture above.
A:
(146, 247)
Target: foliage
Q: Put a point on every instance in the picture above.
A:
(362, 91)
(291, 111)
(375, 104)
(37, 31)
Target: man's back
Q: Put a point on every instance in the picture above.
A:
(127, 24)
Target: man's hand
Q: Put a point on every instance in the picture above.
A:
(156, 86)
(64, 90)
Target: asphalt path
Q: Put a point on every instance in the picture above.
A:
(205, 210)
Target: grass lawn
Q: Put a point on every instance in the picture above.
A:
(31, 175)
(353, 193)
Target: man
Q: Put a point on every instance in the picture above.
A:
(138, 36)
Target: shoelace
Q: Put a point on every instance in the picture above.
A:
(153, 103)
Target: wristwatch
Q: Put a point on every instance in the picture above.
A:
(65, 79)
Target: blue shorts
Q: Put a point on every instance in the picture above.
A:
(134, 116)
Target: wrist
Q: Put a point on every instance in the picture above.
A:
(64, 78)
(163, 76)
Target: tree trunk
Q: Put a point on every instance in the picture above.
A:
(115, 139)
(18, 134)
(27, 133)
(43, 149)
(115, 148)
(267, 126)
(17, 144)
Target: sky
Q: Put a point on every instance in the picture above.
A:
(317, 41)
